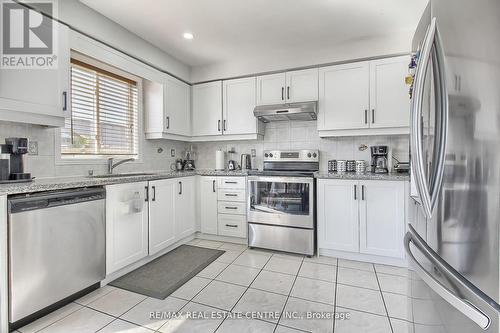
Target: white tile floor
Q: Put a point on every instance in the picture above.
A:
(243, 281)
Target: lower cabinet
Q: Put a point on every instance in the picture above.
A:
(126, 225)
(364, 217)
(161, 214)
(222, 206)
(184, 204)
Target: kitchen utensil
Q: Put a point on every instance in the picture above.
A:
(178, 165)
(351, 166)
(246, 162)
(332, 166)
(341, 166)
(360, 166)
(189, 165)
(231, 165)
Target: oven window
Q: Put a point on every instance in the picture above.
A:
(279, 198)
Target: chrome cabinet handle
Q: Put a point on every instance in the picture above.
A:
(362, 192)
(65, 100)
(462, 305)
(373, 116)
(154, 193)
(218, 125)
(288, 92)
(213, 185)
(355, 192)
(282, 93)
(168, 122)
(232, 225)
(146, 197)
(180, 187)
(366, 116)
(230, 195)
(230, 182)
(227, 207)
(225, 123)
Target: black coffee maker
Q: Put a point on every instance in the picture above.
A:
(379, 159)
(18, 149)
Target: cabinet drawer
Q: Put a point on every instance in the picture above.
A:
(231, 182)
(229, 207)
(231, 195)
(232, 225)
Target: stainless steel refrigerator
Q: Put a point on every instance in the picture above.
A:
(453, 238)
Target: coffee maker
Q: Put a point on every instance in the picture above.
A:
(379, 160)
(18, 150)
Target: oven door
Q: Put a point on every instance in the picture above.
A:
(286, 201)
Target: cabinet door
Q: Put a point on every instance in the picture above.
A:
(238, 104)
(177, 107)
(389, 101)
(232, 225)
(184, 207)
(126, 225)
(161, 214)
(344, 97)
(207, 109)
(271, 89)
(382, 222)
(338, 227)
(38, 96)
(208, 205)
(302, 86)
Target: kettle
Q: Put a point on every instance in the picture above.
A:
(246, 162)
(231, 165)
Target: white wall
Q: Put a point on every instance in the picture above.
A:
(302, 135)
(301, 57)
(98, 26)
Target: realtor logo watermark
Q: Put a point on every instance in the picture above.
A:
(28, 38)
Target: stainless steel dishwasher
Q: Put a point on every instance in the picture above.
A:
(56, 247)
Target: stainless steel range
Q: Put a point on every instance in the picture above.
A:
(281, 202)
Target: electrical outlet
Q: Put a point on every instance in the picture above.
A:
(33, 147)
(253, 152)
(172, 152)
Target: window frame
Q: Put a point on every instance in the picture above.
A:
(63, 159)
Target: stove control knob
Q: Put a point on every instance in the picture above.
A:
(266, 155)
(308, 154)
(314, 155)
(271, 155)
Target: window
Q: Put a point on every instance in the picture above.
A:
(104, 114)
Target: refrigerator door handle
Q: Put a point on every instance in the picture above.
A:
(462, 305)
(416, 115)
(442, 105)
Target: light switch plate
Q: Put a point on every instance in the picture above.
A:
(172, 152)
(33, 147)
(253, 152)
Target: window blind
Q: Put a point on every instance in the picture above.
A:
(104, 113)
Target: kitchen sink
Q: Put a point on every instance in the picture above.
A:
(128, 174)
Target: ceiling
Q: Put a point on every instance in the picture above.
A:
(230, 29)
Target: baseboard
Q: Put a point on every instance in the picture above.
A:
(364, 257)
(218, 238)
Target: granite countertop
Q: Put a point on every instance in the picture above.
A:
(61, 183)
(363, 176)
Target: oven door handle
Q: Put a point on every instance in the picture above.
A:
(283, 179)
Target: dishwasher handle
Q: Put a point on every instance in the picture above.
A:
(27, 202)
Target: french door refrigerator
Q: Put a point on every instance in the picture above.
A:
(452, 242)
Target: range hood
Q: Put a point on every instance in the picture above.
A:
(284, 112)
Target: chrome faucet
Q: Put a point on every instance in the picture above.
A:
(112, 165)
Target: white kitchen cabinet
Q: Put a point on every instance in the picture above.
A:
(364, 98)
(38, 96)
(338, 215)
(161, 214)
(302, 85)
(126, 225)
(208, 204)
(382, 218)
(271, 89)
(232, 225)
(288, 87)
(207, 109)
(389, 100)
(167, 107)
(238, 104)
(362, 217)
(344, 93)
(185, 206)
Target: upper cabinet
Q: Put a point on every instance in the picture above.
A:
(289, 87)
(364, 98)
(223, 110)
(168, 109)
(38, 96)
(207, 109)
